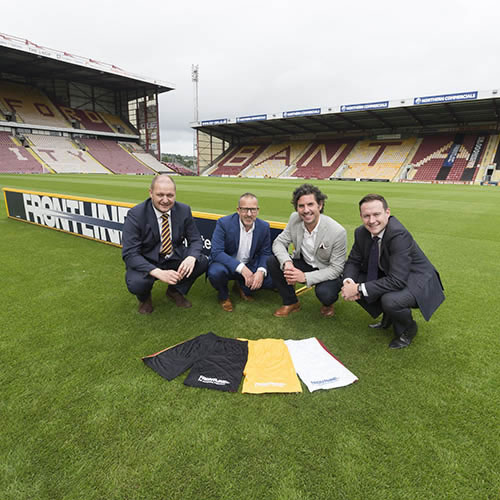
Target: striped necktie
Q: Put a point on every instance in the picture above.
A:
(166, 238)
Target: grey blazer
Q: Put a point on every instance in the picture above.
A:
(330, 247)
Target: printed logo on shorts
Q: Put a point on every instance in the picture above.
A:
(212, 380)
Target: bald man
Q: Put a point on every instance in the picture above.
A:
(153, 249)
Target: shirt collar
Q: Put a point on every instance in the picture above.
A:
(160, 214)
(314, 231)
(243, 228)
(380, 235)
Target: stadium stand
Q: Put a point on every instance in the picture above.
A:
(117, 124)
(15, 159)
(322, 159)
(378, 159)
(138, 152)
(29, 105)
(178, 169)
(238, 159)
(115, 158)
(430, 156)
(85, 119)
(276, 158)
(62, 156)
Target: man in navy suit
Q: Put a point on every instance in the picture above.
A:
(387, 272)
(241, 244)
(154, 249)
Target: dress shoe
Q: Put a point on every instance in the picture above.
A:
(327, 311)
(404, 340)
(384, 323)
(146, 307)
(226, 305)
(178, 298)
(284, 311)
(237, 288)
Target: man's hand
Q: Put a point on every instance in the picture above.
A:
(186, 267)
(258, 279)
(292, 274)
(350, 291)
(248, 276)
(167, 276)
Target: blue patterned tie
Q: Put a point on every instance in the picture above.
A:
(373, 261)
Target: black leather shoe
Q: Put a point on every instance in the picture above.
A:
(384, 323)
(404, 340)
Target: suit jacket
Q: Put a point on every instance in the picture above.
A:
(330, 247)
(226, 241)
(141, 236)
(403, 263)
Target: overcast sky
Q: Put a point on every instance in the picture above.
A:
(272, 56)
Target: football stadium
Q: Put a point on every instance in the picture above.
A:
(85, 418)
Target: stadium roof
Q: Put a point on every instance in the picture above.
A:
(423, 113)
(23, 57)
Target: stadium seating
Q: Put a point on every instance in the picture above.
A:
(115, 158)
(276, 158)
(372, 159)
(62, 156)
(85, 119)
(322, 159)
(179, 169)
(138, 152)
(30, 105)
(238, 159)
(15, 159)
(117, 124)
(430, 156)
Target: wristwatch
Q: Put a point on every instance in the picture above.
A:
(360, 291)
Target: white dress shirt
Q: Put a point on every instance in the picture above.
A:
(243, 254)
(308, 245)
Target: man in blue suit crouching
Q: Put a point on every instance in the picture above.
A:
(241, 244)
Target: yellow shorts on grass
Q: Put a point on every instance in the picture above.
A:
(269, 368)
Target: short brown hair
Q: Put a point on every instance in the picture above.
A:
(373, 197)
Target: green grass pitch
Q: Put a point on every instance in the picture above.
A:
(83, 418)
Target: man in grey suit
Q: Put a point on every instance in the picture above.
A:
(319, 253)
(161, 242)
(388, 273)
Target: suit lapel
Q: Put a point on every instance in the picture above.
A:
(153, 221)
(236, 233)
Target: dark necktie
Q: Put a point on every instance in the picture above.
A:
(166, 239)
(373, 261)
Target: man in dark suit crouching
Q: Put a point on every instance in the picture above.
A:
(387, 272)
(153, 246)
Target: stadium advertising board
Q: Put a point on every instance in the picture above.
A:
(301, 112)
(252, 118)
(98, 220)
(436, 99)
(364, 106)
(219, 121)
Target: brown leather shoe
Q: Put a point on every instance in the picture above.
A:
(243, 296)
(227, 305)
(284, 311)
(146, 307)
(178, 298)
(327, 311)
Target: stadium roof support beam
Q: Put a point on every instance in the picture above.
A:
(380, 119)
(350, 121)
(414, 116)
(450, 110)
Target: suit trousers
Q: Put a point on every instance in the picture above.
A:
(141, 284)
(219, 275)
(326, 291)
(396, 305)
